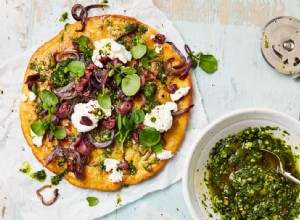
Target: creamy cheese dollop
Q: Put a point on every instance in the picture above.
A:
(112, 49)
(165, 155)
(36, 140)
(24, 98)
(180, 93)
(32, 96)
(112, 165)
(92, 110)
(160, 117)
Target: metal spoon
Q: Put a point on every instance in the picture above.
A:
(280, 168)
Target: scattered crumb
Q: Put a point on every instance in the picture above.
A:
(1, 92)
(177, 209)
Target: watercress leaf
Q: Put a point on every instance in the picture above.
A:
(127, 123)
(138, 51)
(119, 121)
(76, 69)
(39, 127)
(58, 131)
(34, 89)
(131, 84)
(194, 63)
(48, 99)
(118, 79)
(92, 201)
(149, 137)
(208, 63)
(157, 148)
(118, 65)
(137, 116)
(83, 43)
(145, 62)
(111, 72)
(128, 70)
(104, 101)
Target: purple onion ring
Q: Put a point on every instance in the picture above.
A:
(83, 15)
(178, 52)
(182, 111)
(40, 196)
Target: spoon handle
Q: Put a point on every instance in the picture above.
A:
(290, 177)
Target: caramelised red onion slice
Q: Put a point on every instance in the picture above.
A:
(83, 14)
(182, 111)
(63, 111)
(83, 149)
(40, 196)
(31, 80)
(187, 70)
(57, 151)
(57, 56)
(178, 52)
(130, 31)
(101, 144)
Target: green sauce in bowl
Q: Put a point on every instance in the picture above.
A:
(243, 181)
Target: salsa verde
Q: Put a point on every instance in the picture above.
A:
(243, 181)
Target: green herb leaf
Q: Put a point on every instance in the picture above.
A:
(104, 101)
(119, 199)
(39, 127)
(131, 84)
(111, 72)
(138, 51)
(58, 131)
(137, 116)
(64, 17)
(118, 79)
(83, 43)
(149, 137)
(76, 69)
(128, 70)
(145, 62)
(119, 121)
(92, 201)
(208, 63)
(127, 123)
(49, 100)
(157, 148)
(34, 89)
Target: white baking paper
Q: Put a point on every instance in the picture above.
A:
(18, 191)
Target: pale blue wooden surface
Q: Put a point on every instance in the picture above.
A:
(229, 29)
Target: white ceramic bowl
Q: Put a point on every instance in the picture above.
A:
(194, 188)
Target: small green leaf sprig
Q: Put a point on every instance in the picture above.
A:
(127, 77)
(208, 63)
(49, 101)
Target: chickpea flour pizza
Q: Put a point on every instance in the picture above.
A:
(106, 102)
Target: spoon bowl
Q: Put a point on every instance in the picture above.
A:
(280, 168)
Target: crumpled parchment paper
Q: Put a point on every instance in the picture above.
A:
(18, 191)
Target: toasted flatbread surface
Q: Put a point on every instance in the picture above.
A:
(140, 157)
